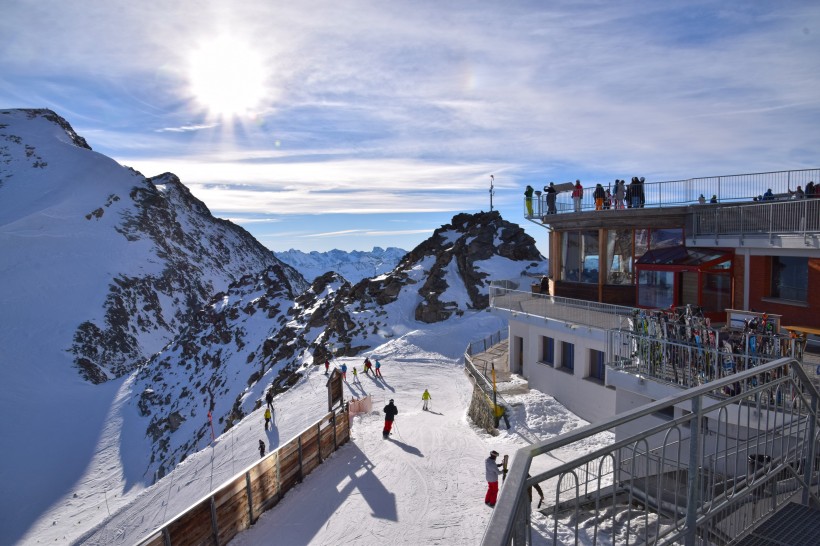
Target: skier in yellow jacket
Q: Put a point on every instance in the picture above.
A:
(426, 397)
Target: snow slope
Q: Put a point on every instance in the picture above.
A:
(424, 485)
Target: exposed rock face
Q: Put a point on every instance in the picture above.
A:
(256, 335)
(148, 253)
(197, 253)
(439, 270)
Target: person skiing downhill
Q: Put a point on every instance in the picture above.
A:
(378, 368)
(390, 411)
(426, 397)
(268, 416)
(327, 366)
(367, 366)
(261, 449)
(491, 472)
(355, 375)
(344, 371)
(269, 397)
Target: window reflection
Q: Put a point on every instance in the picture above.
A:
(619, 251)
(656, 289)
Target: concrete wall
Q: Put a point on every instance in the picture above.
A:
(586, 397)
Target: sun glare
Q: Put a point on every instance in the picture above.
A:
(227, 77)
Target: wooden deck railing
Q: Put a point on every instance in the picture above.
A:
(238, 503)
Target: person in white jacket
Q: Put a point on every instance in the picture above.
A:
(491, 469)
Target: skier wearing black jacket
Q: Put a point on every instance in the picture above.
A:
(390, 411)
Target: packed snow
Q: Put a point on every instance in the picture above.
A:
(423, 485)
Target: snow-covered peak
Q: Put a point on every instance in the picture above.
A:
(353, 266)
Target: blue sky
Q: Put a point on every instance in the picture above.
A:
(320, 125)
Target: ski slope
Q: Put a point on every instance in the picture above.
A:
(423, 485)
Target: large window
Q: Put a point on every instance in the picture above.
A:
(597, 369)
(656, 289)
(619, 251)
(580, 256)
(661, 238)
(567, 356)
(790, 277)
(547, 350)
(717, 291)
(571, 256)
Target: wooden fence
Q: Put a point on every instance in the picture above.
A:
(238, 503)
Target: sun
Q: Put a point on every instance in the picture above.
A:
(227, 77)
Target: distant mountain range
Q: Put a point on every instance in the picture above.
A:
(353, 266)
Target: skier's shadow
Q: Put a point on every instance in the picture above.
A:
(273, 437)
(408, 448)
(434, 412)
(357, 394)
(383, 384)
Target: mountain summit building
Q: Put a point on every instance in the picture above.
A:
(693, 323)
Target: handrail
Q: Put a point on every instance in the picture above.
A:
(796, 218)
(727, 188)
(569, 310)
(782, 437)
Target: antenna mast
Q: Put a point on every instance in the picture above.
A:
(492, 191)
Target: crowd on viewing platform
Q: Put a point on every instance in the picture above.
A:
(638, 193)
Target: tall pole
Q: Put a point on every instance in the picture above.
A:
(492, 179)
(495, 398)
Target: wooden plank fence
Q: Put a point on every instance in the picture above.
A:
(237, 504)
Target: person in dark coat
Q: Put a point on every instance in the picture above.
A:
(551, 195)
(641, 196)
(261, 448)
(269, 398)
(390, 412)
(599, 195)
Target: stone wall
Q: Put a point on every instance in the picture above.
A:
(481, 410)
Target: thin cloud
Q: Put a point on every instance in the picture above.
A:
(187, 128)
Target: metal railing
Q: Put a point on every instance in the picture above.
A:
(505, 295)
(689, 364)
(485, 383)
(731, 188)
(799, 217)
(706, 475)
(481, 345)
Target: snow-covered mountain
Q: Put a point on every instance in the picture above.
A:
(123, 261)
(131, 315)
(353, 266)
(101, 268)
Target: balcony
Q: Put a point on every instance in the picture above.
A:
(732, 189)
(785, 224)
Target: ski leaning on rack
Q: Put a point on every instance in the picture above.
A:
(504, 468)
